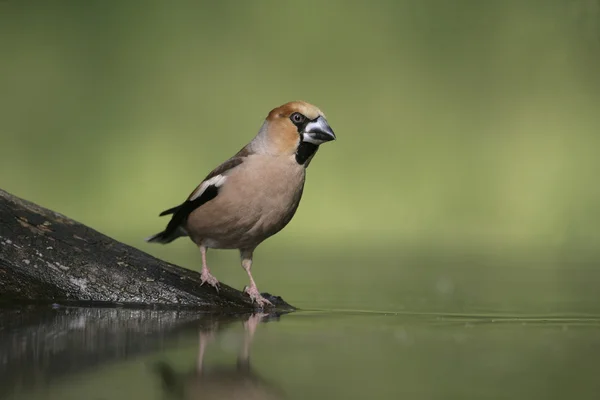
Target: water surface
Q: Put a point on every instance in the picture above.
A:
(102, 353)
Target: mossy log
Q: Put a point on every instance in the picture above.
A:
(46, 257)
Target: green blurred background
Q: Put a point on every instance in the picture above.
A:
(464, 177)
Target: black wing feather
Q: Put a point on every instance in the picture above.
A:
(180, 214)
(186, 208)
(182, 211)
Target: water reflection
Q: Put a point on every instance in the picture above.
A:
(237, 381)
(120, 354)
(43, 345)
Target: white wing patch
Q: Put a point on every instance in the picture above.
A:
(216, 181)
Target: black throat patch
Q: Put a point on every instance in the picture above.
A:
(305, 151)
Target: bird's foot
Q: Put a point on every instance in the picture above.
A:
(207, 336)
(252, 322)
(206, 277)
(256, 297)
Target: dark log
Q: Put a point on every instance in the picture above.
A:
(46, 257)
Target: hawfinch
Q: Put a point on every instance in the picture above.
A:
(254, 194)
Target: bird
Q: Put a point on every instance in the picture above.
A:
(254, 194)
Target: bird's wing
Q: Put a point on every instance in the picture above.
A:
(206, 191)
(208, 188)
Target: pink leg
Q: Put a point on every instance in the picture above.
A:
(205, 275)
(249, 329)
(252, 291)
(201, 349)
(205, 337)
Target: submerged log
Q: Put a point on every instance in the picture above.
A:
(46, 257)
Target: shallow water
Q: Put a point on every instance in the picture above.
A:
(92, 353)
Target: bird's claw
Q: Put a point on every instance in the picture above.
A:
(206, 277)
(256, 297)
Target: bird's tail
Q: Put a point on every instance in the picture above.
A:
(173, 230)
(164, 237)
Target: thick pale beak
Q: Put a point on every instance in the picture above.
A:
(318, 131)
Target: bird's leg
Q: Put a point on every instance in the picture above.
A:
(205, 337)
(249, 329)
(250, 325)
(205, 275)
(252, 291)
(201, 350)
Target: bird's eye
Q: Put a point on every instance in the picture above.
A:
(297, 118)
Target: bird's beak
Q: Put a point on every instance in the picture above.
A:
(318, 131)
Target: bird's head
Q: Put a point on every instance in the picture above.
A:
(295, 125)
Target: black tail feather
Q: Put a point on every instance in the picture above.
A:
(164, 237)
(172, 231)
(172, 210)
(180, 213)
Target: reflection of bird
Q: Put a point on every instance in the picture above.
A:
(239, 382)
(254, 194)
